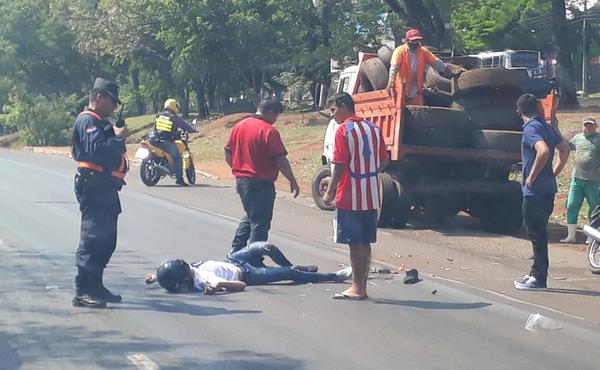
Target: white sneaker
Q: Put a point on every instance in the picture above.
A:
(343, 274)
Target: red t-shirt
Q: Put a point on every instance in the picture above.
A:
(254, 145)
(359, 146)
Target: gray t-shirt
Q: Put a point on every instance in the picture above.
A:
(586, 159)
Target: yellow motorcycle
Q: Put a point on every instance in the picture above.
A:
(157, 163)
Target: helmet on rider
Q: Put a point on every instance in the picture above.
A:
(172, 104)
(172, 274)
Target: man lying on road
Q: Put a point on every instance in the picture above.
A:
(243, 267)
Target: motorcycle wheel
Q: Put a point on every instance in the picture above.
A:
(148, 172)
(593, 257)
(190, 173)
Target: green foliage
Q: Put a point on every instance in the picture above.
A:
(481, 25)
(40, 120)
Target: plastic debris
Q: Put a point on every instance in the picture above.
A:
(559, 277)
(51, 287)
(466, 268)
(450, 259)
(434, 292)
(537, 321)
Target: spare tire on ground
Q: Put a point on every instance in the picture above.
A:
(497, 118)
(395, 204)
(385, 54)
(491, 78)
(374, 73)
(497, 140)
(435, 80)
(436, 126)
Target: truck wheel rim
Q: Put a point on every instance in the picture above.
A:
(323, 185)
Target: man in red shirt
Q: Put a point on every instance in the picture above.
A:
(358, 157)
(256, 154)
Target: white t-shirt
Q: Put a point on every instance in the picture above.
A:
(212, 272)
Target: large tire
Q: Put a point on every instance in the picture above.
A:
(385, 55)
(435, 80)
(436, 126)
(319, 185)
(395, 207)
(148, 173)
(374, 71)
(190, 172)
(437, 98)
(593, 257)
(493, 98)
(495, 118)
(491, 78)
(497, 140)
(503, 213)
(435, 117)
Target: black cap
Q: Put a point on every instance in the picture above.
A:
(108, 87)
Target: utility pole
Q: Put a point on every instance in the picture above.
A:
(584, 59)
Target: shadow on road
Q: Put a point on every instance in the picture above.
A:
(430, 305)
(194, 186)
(590, 293)
(178, 307)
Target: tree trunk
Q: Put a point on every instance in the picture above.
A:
(198, 87)
(184, 101)
(568, 96)
(135, 81)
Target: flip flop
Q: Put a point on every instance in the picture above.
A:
(344, 296)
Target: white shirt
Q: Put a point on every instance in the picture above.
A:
(212, 272)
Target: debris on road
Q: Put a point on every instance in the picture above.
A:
(412, 277)
(51, 287)
(559, 277)
(466, 268)
(434, 292)
(537, 321)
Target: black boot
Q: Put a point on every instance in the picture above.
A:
(104, 293)
(83, 296)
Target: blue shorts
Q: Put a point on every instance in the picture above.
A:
(350, 227)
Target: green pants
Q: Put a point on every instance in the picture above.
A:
(579, 190)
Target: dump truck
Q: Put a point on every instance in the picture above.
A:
(460, 152)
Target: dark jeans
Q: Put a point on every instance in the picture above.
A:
(258, 198)
(536, 212)
(100, 207)
(171, 148)
(250, 260)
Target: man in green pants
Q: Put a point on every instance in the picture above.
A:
(586, 174)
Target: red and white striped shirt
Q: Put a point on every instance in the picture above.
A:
(360, 148)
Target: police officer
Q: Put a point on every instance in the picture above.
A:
(165, 130)
(99, 147)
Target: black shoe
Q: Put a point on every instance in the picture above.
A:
(106, 295)
(309, 268)
(181, 183)
(86, 300)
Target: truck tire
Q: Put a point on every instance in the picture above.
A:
(434, 79)
(395, 207)
(491, 78)
(504, 213)
(374, 71)
(497, 140)
(435, 117)
(319, 185)
(437, 98)
(385, 55)
(495, 118)
(494, 98)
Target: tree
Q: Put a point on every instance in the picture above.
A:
(561, 39)
(424, 15)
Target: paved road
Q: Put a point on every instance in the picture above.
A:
(271, 327)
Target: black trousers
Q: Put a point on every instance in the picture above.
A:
(258, 199)
(100, 208)
(536, 212)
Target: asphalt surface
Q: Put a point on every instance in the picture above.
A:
(434, 324)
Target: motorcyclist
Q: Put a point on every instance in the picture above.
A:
(165, 132)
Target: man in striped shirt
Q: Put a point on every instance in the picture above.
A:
(359, 155)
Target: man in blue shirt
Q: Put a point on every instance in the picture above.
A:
(538, 185)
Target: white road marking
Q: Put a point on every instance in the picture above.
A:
(142, 361)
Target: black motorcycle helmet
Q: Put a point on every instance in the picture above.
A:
(172, 274)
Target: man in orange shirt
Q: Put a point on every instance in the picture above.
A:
(408, 67)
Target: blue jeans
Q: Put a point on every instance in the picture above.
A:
(171, 148)
(250, 260)
(258, 199)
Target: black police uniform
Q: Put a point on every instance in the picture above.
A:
(102, 167)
